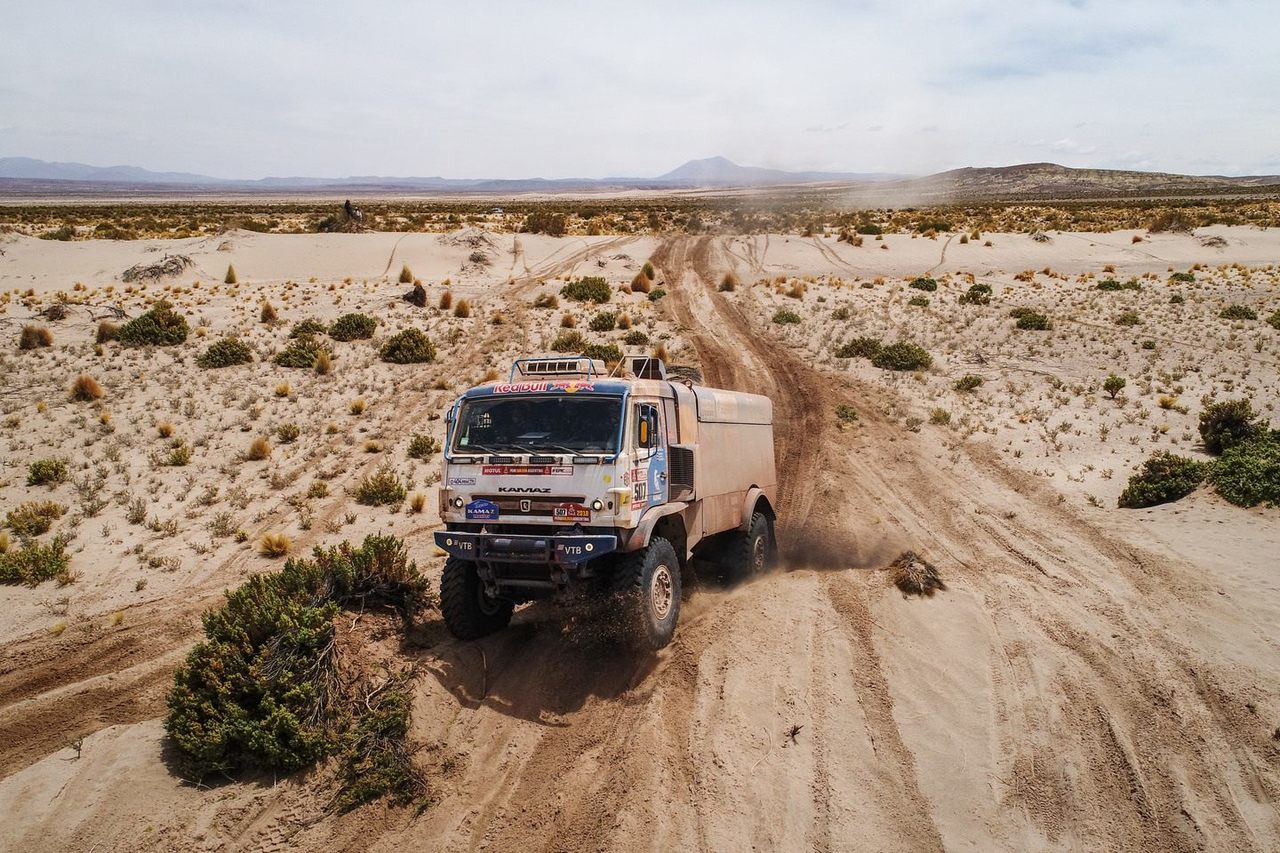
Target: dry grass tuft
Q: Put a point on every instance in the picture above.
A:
(417, 501)
(567, 321)
(283, 390)
(357, 406)
(324, 363)
(34, 337)
(107, 331)
(914, 576)
(446, 300)
(230, 277)
(86, 389)
(165, 428)
(268, 314)
(462, 309)
(274, 545)
(259, 449)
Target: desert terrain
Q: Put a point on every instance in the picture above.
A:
(1090, 678)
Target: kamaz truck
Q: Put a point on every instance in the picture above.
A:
(565, 480)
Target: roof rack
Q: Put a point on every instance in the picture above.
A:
(569, 365)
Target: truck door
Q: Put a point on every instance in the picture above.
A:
(649, 474)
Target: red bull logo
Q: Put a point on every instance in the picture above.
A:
(568, 386)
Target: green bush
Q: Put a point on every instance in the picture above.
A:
(34, 562)
(591, 288)
(1185, 277)
(977, 294)
(919, 300)
(308, 328)
(33, 517)
(785, 317)
(635, 338)
(1113, 385)
(860, 347)
(1112, 284)
(1128, 318)
(351, 327)
(605, 321)
(423, 446)
(301, 352)
(380, 488)
(1177, 299)
(924, 283)
(868, 228)
(1248, 473)
(260, 692)
(161, 326)
(656, 294)
(541, 222)
(1161, 479)
(225, 353)
(408, 347)
(1030, 319)
(1226, 424)
(1238, 312)
(902, 355)
(1274, 320)
(968, 382)
(64, 232)
(46, 472)
(570, 340)
(608, 353)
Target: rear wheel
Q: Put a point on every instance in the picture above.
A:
(749, 554)
(469, 612)
(647, 584)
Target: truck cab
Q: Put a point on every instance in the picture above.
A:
(567, 479)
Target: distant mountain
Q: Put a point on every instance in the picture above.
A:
(720, 171)
(27, 177)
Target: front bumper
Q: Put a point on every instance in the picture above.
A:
(552, 549)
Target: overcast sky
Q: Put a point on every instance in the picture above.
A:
(592, 89)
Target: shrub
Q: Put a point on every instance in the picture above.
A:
(34, 337)
(161, 326)
(647, 271)
(288, 433)
(786, 317)
(1113, 385)
(323, 365)
(34, 562)
(261, 692)
(268, 314)
(356, 406)
(1238, 312)
(1031, 319)
(635, 338)
(462, 309)
(656, 294)
(225, 353)
(380, 488)
(107, 331)
(605, 321)
(33, 518)
(179, 453)
(423, 446)
(860, 347)
(300, 353)
(350, 327)
(230, 277)
(924, 283)
(1128, 318)
(842, 313)
(1111, 284)
(1169, 220)
(64, 232)
(1274, 320)
(641, 284)
(406, 275)
(1184, 277)
(1249, 472)
(571, 341)
(46, 472)
(1161, 479)
(568, 321)
(968, 382)
(608, 353)
(541, 222)
(165, 429)
(546, 300)
(902, 355)
(259, 449)
(1177, 299)
(411, 346)
(86, 389)
(308, 328)
(919, 300)
(846, 414)
(1226, 424)
(977, 294)
(587, 289)
(274, 544)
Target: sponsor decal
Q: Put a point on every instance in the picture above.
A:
(568, 386)
(527, 470)
(482, 510)
(522, 490)
(571, 512)
(462, 481)
(640, 493)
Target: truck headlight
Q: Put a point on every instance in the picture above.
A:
(597, 505)
(457, 502)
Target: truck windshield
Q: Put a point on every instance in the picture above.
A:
(532, 424)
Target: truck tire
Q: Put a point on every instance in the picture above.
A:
(468, 612)
(647, 584)
(748, 554)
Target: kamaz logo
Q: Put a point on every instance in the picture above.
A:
(516, 490)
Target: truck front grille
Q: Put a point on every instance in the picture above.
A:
(532, 506)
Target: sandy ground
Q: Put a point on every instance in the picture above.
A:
(1092, 678)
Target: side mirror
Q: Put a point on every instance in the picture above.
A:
(647, 429)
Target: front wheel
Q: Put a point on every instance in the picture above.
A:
(647, 584)
(469, 613)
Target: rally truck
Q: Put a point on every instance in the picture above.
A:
(565, 480)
